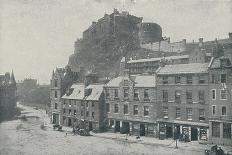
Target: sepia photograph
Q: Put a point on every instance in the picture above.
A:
(115, 77)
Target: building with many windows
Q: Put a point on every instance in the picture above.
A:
(131, 106)
(220, 97)
(82, 102)
(182, 93)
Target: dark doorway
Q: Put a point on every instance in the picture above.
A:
(69, 122)
(169, 131)
(125, 128)
(142, 129)
(55, 118)
(194, 135)
(178, 131)
(90, 126)
(117, 126)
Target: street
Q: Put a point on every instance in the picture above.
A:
(27, 137)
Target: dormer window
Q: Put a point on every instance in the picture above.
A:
(126, 82)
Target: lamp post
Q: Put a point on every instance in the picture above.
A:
(175, 136)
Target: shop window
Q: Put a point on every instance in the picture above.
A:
(116, 108)
(136, 110)
(146, 110)
(215, 129)
(227, 130)
(125, 110)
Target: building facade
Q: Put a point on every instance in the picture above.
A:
(131, 106)
(86, 103)
(182, 93)
(8, 96)
(220, 97)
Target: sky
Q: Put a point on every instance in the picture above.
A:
(36, 36)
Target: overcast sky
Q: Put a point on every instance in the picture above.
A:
(38, 35)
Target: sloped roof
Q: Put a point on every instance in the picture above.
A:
(96, 92)
(139, 81)
(145, 81)
(160, 58)
(78, 92)
(183, 69)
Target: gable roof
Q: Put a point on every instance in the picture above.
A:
(96, 91)
(183, 69)
(78, 92)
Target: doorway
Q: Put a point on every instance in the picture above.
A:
(117, 126)
(125, 128)
(142, 129)
(169, 131)
(69, 122)
(90, 126)
(194, 134)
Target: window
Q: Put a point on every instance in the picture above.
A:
(177, 79)
(126, 90)
(146, 110)
(92, 114)
(56, 105)
(201, 95)
(227, 130)
(201, 114)
(93, 104)
(56, 83)
(136, 110)
(87, 113)
(70, 103)
(189, 79)
(56, 94)
(82, 113)
(223, 78)
(189, 113)
(223, 94)
(87, 104)
(215, 129)
(223, 110)
(107, 107)
(116, 93)
(107, 93)
(189, 96)
(75, 112)
(213, 109)
(165, 79)
(165, 112)
(177, 96)
(64, 110)
(116, 108)
(136, 94)
(82, 104)
(213, 94)
(125, 110)
(213, 78)
(146, 95)
(70, 112)
(201, 79)
(178, 113)
(126, 82)
(165, 96)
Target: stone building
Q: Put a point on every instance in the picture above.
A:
(62, 78)
(131, 106)
(182, 93)
(220, 97)
(150, 66)
(8, 96)
(81, 102)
